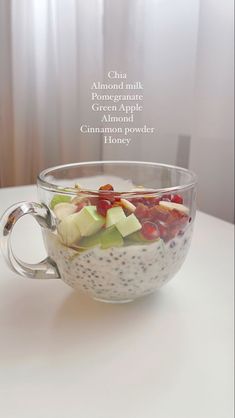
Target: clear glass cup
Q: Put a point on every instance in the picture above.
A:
(115, 244)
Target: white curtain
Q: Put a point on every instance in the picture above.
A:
(51, 51)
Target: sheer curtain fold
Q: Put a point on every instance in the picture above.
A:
(51, 51)
(6, 102)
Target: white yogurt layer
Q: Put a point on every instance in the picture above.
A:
(119, 274)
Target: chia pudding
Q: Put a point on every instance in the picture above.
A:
(119, 250)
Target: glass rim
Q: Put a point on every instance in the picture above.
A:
(46, 185)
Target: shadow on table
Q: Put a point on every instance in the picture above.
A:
(78, 308)
(80, 318)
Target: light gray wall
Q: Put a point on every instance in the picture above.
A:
(212, 145)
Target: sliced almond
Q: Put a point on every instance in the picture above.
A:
(62, 210)
(128, 205)
(171, 206)
(80, 199)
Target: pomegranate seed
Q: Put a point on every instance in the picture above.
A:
(164, 233)
(176, 198)
(107, 196)
(150, 231)
(159, 213)
(172, 233)
(117, 198)
(103, 206)
(166, 197)
(141, 211)
(94, 200)
(150, 201)
(106, 187)
(183, 220)
(135, 200)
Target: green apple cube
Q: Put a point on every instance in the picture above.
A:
(91, 241)
(111, 238)
(89, 221)
(59, 198)
(128, 225)
(114, 215)
(68, 230)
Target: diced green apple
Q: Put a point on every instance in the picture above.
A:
(177, 206)
(128, 225)
(114, 215)
(91, 241)
(59, 198)
(61, 210)
(68, 230)
(89, 221)
(111, 238)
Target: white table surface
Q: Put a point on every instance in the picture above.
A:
(169, 355)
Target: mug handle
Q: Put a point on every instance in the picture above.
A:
(47, 268)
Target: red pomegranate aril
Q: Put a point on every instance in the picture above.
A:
(103, 206)
(106, 196)
(163, 230)
(150, 231)
(136, 200)
(94, 200)
(141, 211)
(107, 187)
(150, 201)
(159, 213)
(176, 198)
(183, 221)
(117, 198)
(166, 197)
(157, 200)
(172, 233)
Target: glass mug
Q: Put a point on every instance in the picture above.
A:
(116, 230)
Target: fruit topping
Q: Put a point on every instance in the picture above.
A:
(158, 213)
(103, 206)
(80, 199)
(59, 198)
(141, 211)
(176, 198)
(177, 206)
(114, 215)
(111, 237)
(107, 187)
(128, 205)
(91, 241)
(89, 221)
(128, 225)
(62, 210)
(166, 197)
(150, 231)
(150, 201)
(142, 219)
(81, 205)
(68, 230)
